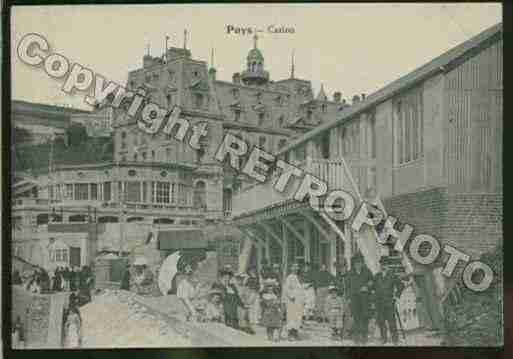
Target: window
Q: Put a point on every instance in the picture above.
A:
(162, 192)
(153, 155)
(106, 191)
(144, 190)
(373, 137)
(144, 156)
(135, 157)
(60, 255)
(409, 128)
(81, 191)
(324, 108)
(169, 99)
(325, 145)
(182, 194)
(133, 191)
(69, 191)
(237, 115)
(261, 117)
(94, 191)
(199, 195)
(309, 115)
(123, 135)
(168, 153)
(198, 100)
(235, 93)
(281, 120)
(301, 153)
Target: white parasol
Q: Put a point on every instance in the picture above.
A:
(168, 271)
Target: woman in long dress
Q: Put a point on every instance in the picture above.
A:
(72, 328)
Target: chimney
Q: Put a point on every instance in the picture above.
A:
(337, 96)
(363, 96)
(147, 61)
(236, 78)
(356, 99)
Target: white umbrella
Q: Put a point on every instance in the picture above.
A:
(168, 271)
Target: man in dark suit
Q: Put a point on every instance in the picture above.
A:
(388, 287)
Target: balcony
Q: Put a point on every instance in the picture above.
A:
(262, 195)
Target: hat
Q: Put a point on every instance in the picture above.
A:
(332, 288)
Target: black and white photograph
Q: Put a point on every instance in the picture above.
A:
(255, 175)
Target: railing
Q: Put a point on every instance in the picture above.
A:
(260, 195)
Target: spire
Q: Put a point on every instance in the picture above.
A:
(148, 49)
(292, 66)
(322, 95)
(212, 57)
(255, 39)
(185, 39)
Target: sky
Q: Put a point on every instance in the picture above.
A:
(351, 48)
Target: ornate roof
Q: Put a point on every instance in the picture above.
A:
(255, 54)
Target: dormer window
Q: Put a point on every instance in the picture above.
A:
(198, 100)
(261, 118)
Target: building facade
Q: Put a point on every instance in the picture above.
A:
(154, 182)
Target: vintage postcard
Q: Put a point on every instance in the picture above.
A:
(250, 175)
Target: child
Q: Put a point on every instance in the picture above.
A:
(73, 327)
(272, 315)
(214, 311)
(335, 307)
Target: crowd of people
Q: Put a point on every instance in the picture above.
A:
(346, 302)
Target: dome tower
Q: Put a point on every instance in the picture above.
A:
(255, 73)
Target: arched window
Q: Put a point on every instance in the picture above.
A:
(135, 219)
(261, 142)
(135, 157)
(199, 195)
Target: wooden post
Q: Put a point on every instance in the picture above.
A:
(285, 249)
(308, 240)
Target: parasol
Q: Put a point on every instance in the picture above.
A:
(168, 271)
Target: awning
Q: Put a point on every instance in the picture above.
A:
(181, 239)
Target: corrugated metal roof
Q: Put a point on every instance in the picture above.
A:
(430, 69)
